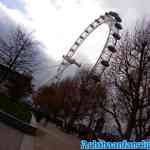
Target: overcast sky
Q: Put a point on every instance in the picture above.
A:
(59, 22)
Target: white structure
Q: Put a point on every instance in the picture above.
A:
(113, 21)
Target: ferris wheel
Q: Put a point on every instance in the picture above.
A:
(113, 21)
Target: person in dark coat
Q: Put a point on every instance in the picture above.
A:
(41, 113)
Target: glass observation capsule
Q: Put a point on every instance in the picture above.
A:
(115, 15)
(112, 48)
(116, 36)
(105, 63)
(118, 26)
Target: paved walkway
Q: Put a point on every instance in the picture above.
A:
(10, 138)
(50, 138)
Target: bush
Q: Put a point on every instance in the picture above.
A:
(15, 108)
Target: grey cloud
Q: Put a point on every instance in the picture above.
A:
(6, 23)
(44, 70)
(17, 4)
(141, 6)
(56, 4)
(130, 10)
(59, 3)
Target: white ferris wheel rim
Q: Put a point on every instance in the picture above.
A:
(111, 19)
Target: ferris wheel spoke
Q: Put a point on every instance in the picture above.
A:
(113, 21)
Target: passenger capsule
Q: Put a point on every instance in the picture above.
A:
(97, 21)
(118, 19)
(115, 15)
(82, 37)
(105, 63)
(86, 31)
(103, 17)
(106, 13)
(72, 50)
(116, 36)
(92, 26)
(118, 26)
(112, 48)
(77, 43)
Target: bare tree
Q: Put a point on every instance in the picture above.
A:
(17, 51)
(130, 79)
(92, 93)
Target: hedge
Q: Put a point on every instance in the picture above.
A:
(15, 108)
